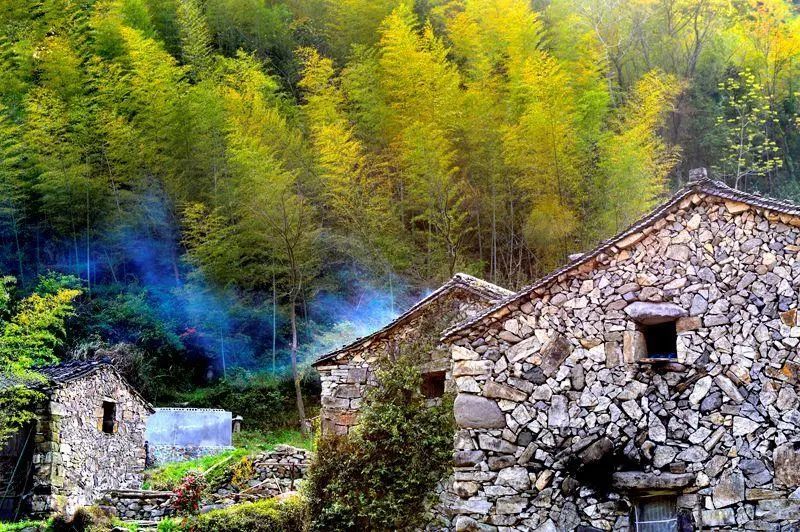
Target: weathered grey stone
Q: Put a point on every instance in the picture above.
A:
(496, 390)
(490, 443)
(718, 518)
(639, 480)
(468, 458)
(554, 354)
(653, 313)
(729, 490)
(472, 411)
(557, 415)
(786, 462)
(515, 477)
(472, 368)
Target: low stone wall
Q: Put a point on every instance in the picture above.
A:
(165, 454)
(274, 472)
(138, 505)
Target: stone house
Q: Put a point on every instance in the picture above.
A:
(346, 371)
(88, 437)
(649, 384)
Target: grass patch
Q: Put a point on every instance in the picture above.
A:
(22, 525)
(255, 441)
(168, 476)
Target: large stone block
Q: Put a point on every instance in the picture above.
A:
(786, 463)
(554, 353)
(654, 313)
(464, 368)
(475, 412)
(497, 390)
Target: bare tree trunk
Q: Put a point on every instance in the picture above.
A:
(274, 320)
(301, 410)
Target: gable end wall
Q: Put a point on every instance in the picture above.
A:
(346, 377)
(726, 417)
(75, 462)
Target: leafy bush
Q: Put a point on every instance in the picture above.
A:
(241, 473)
(83, 520)
(268, 515)
(188, 494)
(381, 476)
(26, 526)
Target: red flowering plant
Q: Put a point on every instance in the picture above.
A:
(186, 497)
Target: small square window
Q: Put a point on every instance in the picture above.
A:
(661, 340)
(656, 514)
(433, 384)
(109, 416)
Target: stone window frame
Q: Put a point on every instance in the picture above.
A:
(648, 330)
(645, 314)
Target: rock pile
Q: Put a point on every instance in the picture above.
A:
(274, 473)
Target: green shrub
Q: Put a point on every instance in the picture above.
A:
(382, 475)
(85, 519)
(19, 526)
(273, 515)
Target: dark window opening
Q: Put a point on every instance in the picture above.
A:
(661, 340)
(656, 514)
(433, 384)
(109, 416)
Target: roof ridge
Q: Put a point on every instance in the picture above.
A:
(463, 280)
(703, 184)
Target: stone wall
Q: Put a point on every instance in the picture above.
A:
(138, 505)
(563, 425)
(274, 472)
(164, 454)
(345, 378)
(74, 460)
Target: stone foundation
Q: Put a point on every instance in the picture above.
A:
(138, 505)
(165, 454)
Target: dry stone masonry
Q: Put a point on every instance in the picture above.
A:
(274, 473)
(574, 415)
(347, 372)
(81, 448)
(138, 505)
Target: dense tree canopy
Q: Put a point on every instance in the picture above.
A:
(226, 162)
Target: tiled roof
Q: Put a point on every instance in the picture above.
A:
(74, 369)
(703, 186)
(66, 372)
(479, 287)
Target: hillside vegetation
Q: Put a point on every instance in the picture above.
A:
(243, 183)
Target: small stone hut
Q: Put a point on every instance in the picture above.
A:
(650, 384)
(345, 372)
(88, 437)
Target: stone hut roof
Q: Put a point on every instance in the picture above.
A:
(702, 186)
(483, 289)
(61, 374)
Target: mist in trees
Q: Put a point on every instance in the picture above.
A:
(264, 153)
